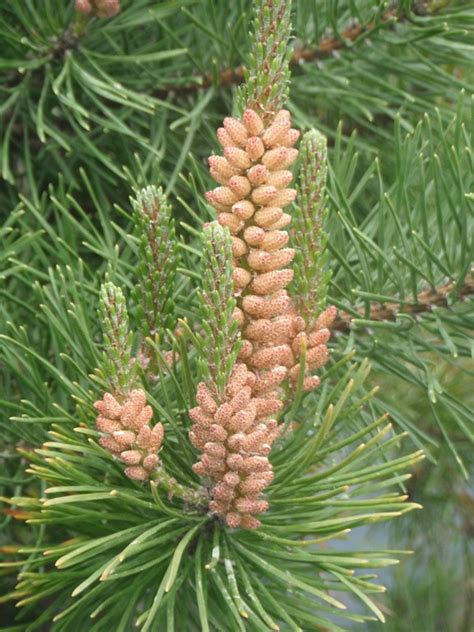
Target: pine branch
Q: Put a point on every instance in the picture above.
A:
(426, 301)
(324, 49)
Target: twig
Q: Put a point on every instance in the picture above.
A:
(426, 301)
(326, 47)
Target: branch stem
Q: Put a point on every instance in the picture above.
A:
(426, 301)
(198, 497)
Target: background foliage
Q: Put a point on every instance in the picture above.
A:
(87, 116)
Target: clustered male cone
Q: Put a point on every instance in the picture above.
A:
(127, 433)
(254, 179)
(235, 437)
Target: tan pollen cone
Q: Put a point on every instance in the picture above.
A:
(234, 436)
(128, 435)
(254, 178)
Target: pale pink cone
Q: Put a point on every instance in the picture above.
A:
(234, 449)
(127, 433)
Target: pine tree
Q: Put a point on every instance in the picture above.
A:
(132, 320)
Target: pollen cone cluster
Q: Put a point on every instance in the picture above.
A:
(235, 437)
(98, 8)
(254, 178)
(127, 433)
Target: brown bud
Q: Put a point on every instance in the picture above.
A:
(199, 416)
(104, 424)
(246, 505)
(235, 441)
(263, 261)
(254, 464)
(215, 449)
(252, 485)
(109, 443)
(222, 166)
(245, 350)
(269, 379)
(267, 406)
(319, 337)
(125, 438)
(249, 522)
(223, 492)
(311, 382)
(223, 414)
(235, 461)
(218, 177)
(223, 195)
(109, 406)
(282, 115)
(83, 6)
(205, 399)
(299, 343)
(131, 457)
(217, 432)
(316, 357)
(238, 316)
(242, 420)
(241, 399)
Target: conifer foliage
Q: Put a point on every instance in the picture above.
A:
(192, 422)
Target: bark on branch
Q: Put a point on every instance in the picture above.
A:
(426, 301)
(326, 47)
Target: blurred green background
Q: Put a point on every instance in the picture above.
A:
(89, 111)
